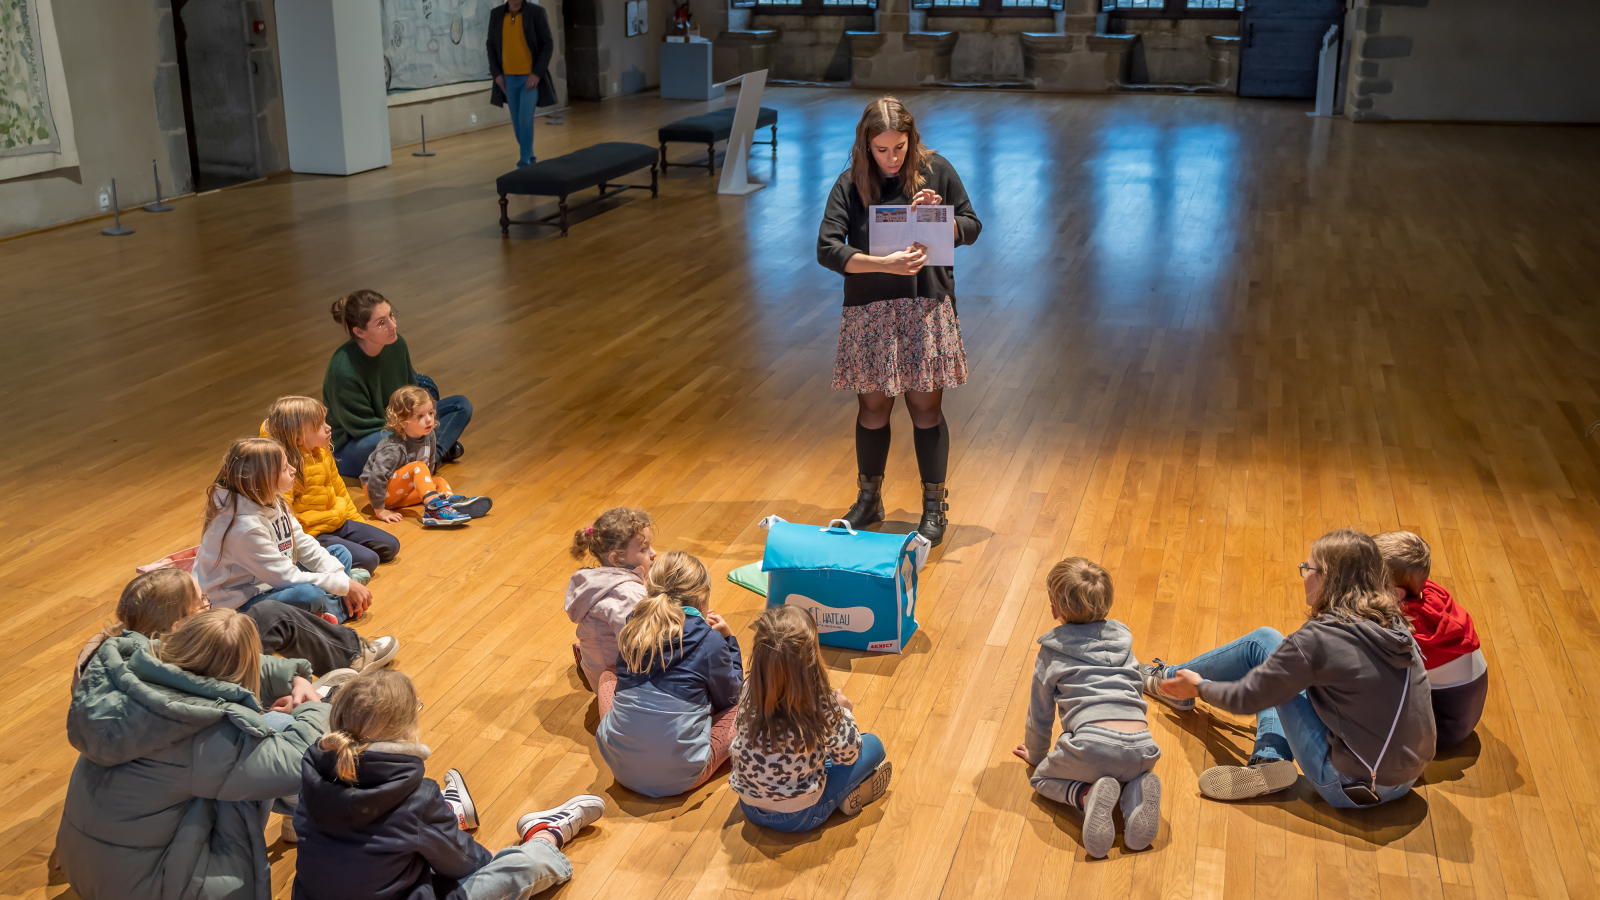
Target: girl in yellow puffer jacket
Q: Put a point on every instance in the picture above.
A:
(320, 500)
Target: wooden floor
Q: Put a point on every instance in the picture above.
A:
(1201, 333)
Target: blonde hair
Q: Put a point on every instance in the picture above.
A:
(1080, 591)
(153, 602)
(402, 403)
(1408, 558)
(676, 580)
(250, 469)
(376, 706)
(1355, 581)
(218, 643)
(355, 309)
(610, 533)
(787, 696)
(886, 114)
(287, 423)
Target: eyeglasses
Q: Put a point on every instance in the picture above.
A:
(419, 704)
(1307, 567)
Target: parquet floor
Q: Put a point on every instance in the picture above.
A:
(1201, 333)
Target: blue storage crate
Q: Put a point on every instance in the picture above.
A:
(859, 586)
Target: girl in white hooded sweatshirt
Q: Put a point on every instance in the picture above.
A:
(252, 547)
(600, 599)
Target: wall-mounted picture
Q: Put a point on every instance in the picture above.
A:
(638, 17)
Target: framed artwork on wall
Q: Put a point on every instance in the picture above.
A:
(638, 17)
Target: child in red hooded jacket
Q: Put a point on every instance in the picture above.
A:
(1457, 671)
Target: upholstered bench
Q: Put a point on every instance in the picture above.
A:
(594, 166)
(708, 129)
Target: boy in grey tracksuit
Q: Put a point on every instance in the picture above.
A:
(1087, 672)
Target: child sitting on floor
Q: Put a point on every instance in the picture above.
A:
(599, 599)
(372, 826)
(319, 498)
(150, 605)
(400, 471)
(1087, 672)
(667, 712)
(252, 547)
(1457, 671)
(797, 755)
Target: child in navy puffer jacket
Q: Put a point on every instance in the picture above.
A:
(372, 827)
(668, 710)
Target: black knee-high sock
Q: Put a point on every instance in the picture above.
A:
(872, 449)
(933, 451)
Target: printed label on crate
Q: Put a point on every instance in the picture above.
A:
(856, 619)
(884, 645)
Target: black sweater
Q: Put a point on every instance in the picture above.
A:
(844, 233)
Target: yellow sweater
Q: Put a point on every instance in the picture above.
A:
(324, 503)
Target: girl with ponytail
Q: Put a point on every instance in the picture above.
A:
(667, 711)
(599, 599)
(372, 825)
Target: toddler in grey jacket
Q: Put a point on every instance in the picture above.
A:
(1086, 672)
(401, 472)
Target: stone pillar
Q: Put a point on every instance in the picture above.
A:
(1224, 51)
(738, 52)
(894, 56)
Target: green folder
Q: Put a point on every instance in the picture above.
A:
(750, 578)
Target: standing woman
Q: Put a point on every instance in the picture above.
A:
(520, 47)
(361, 375)
(899, 333)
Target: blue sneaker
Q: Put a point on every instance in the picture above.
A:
(437, 512)
(476, 507)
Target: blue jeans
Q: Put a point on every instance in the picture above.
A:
(518, 871)
(1291, 731)
(306, 595)
(841, 780)
(453, 413)
(521, 101)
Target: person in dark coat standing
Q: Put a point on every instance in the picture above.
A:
(520, 47)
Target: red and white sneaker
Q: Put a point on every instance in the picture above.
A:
(565, 820)
(455, 794)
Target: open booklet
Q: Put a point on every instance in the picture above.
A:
(894, 228)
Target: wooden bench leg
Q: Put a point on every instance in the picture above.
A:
(711, 159)
(774, 139)
(663, 155)
(505, 220)
(563, 215)
(654, 172)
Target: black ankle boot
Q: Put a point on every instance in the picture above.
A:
(933, 509)
(868, 508)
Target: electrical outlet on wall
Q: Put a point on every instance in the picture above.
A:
(474, 118)
(105, 199)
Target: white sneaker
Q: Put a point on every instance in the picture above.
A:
(1099, 831)
(376, 653)
(1244, 782)
(565, 820)
(876, 785)
(330, 680)
(1141, 811)
(287, 834)
(455, 794)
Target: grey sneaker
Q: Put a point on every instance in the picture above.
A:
(876, 785)
(1150, 682)
(1244, 782)
(455, 794)
(361, 576)
(330, 680)
(1141, 811)
(565, 820)
(375, 654)
(1099, 831)
(288, 834)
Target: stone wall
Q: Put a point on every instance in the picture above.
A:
(1474, 60)
(1172, 51)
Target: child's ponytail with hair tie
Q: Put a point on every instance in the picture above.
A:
(609, 534)
(347, 751)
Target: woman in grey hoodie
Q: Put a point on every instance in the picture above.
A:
(1346, 695)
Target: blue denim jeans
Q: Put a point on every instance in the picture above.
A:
(521, 102)
(307, 595)
(453, 413)
(1290, 731)
(518, 871)
(841, 780)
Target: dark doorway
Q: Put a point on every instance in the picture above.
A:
(219, 105)
(1281, 43)
(582, 20)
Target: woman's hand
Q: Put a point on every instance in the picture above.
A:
(357, 601)
(1183, 686)
(1022, 753)
(387, 515)
(501, 81)
(718, 623)
(842, 700)
(926, 197)
(905, 262)
(300, 691)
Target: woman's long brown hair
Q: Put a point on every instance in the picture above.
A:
(886, 114)
(787, 695)
(1355, 581)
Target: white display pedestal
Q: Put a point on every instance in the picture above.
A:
(686, 72)
(736, 165)
(330, 54)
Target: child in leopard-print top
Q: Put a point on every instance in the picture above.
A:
(798, 755)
